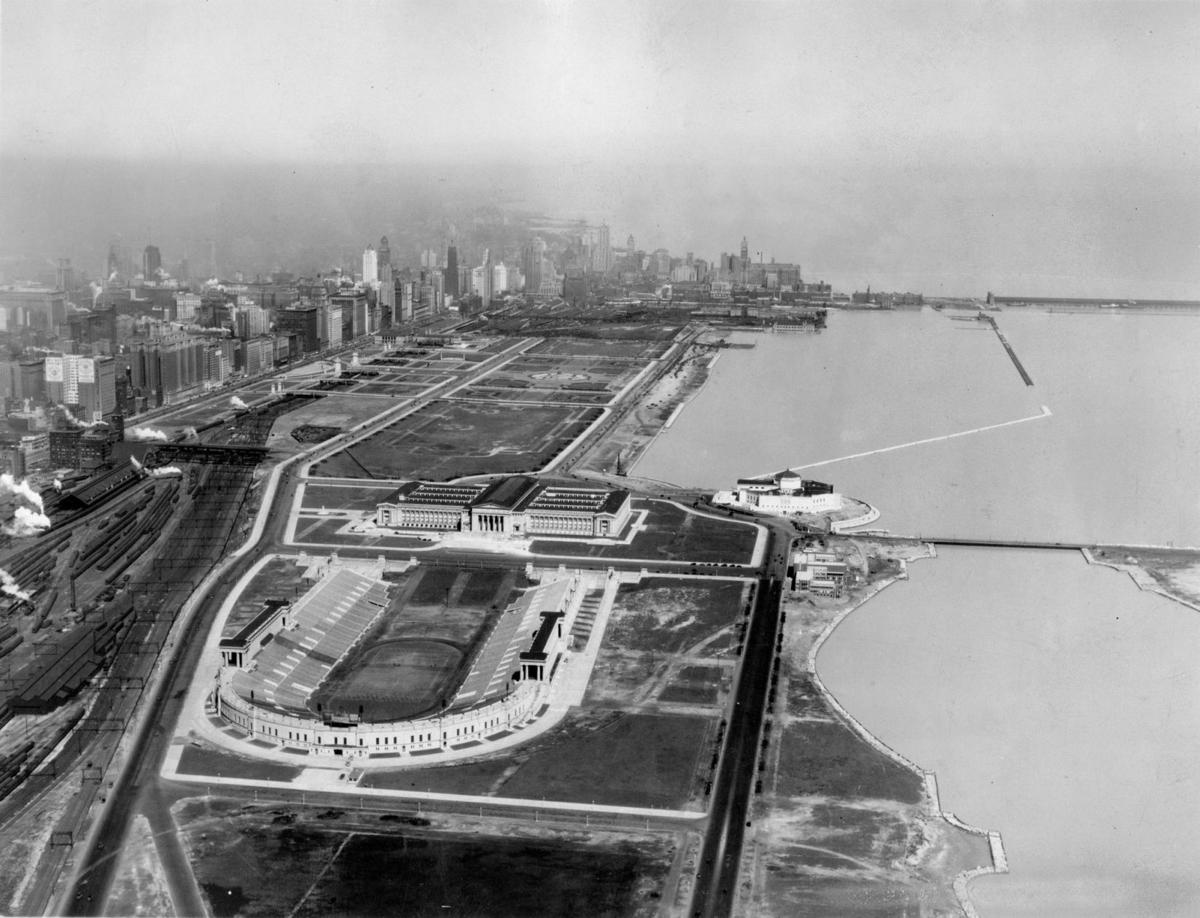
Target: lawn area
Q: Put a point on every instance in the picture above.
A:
(828, 758)
(319, 530)
(596, 756)
(546, 396)
(670, 614)
(362, 496)
(449, 439)
(292, 862)
(702, 685)
(672, 533)
(422, 875)
(218, 763)
(627, 349)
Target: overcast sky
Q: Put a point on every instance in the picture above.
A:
(959, 143)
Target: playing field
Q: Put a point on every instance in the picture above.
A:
(449, 439)
(396, 680)
(416, 655)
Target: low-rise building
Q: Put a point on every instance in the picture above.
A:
(819, 572)
(517, 506)
(783, 493)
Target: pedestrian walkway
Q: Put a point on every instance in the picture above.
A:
(585, 618)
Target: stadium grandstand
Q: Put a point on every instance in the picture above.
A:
(324, 624)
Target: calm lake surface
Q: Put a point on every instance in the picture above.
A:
(1057, 702)
(1118, 460)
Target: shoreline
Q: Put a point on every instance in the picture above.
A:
(1141, 577)
(688, 394)
(961, 880)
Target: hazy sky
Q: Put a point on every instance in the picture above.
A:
(963, 144)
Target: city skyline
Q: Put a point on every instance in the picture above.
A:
(952, 148)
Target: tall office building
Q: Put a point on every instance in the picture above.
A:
(251, 321)
(370, 266)
(89, 382)
(385, 255)
(486, 279)
(451, 285)
(385, 304)
(151, 262)
(64, 276)
(533, 258)
(601, 253)
(329, 324)
(303, 321)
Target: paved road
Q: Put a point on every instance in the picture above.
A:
(720, 857)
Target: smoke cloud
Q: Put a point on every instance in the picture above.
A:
(148, 433)
(26, 522)
(10, 587)
(137, 465)
(167, 471)
(236, 402)
(10, 485)
(74, 420)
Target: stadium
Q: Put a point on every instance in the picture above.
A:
(386, 661)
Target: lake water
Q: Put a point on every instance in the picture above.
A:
(1117, 460)
(1057, 703)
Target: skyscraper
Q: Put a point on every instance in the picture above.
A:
(385, 255)
(151, 262)
(532, 258)
(486, 281)
(451, 285)
(370, 263)
(602, 251)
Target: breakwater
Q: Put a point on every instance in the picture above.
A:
(1008, 347)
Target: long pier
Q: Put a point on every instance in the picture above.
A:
(1008, 347)
(1035, 544)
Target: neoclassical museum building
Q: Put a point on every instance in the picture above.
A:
(518, 506)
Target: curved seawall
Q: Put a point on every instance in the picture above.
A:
(929, 779)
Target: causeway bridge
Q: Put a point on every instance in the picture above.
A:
(1008, 543)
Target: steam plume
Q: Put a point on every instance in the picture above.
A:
(148, 433)
(10, 587)
(236, 402)
(26, 522)
(21, 488)
(74, 420)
